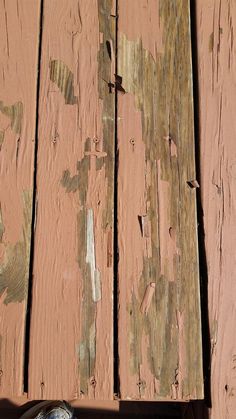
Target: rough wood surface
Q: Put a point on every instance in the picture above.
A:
(216, 26)
(19, 30)
(71, 345)
(159, 310)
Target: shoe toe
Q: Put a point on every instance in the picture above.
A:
(58, 413)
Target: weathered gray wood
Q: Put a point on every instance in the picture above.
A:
(160, 350)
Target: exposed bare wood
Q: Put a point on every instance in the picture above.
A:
(19, 32)
(159, 332)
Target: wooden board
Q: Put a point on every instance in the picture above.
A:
(159, 309)
(19, 32)
(216, 26)
(71, 342)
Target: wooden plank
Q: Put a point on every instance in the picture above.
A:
(159, 308)
(71, 345)
(216, 26)
(19, 32)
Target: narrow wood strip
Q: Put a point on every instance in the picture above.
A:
(159, 345)
(216, 28)
(71, 345)
(19, 34)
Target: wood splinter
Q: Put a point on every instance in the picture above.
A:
(193, 184)
(144, 225)
(147, 298)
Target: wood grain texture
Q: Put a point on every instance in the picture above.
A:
(216, 26)
(71, 345)
(159, 308)
(19, 32)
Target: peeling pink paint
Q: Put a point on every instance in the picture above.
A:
(147, 298)
(150, 18)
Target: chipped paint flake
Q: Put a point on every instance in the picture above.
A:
(147, 298)
(144, 225)
(193, 184)
(172, 146)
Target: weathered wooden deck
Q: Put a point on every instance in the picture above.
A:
(99, 268)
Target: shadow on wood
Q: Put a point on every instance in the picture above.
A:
(141, 410)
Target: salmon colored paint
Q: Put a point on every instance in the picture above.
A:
(216, 26)
(71, 342)
(19, 32)
(107, 69)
